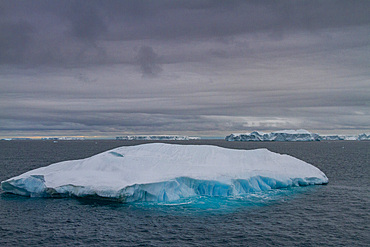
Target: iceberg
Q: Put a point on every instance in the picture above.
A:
(332, 137)
(157, 138)
(363, 137)
(282, 135)
(159, 172)
(294, 135)
(360, 137)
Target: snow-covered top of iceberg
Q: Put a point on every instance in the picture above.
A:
(162, 172)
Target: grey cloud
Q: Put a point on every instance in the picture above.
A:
(201, 19)
(76, 33)
(14, 41)
(85, 21)
(149, 61)
(81, 27)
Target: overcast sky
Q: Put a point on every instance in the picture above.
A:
(205, 68)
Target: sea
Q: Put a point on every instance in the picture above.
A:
(337, 214)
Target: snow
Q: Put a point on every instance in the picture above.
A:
(166, 172)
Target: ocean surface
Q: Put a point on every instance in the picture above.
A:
(337, 214)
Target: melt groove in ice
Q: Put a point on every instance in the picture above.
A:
(166, 172)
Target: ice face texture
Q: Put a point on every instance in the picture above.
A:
(166, 172)
(283, 135)
(294, 136)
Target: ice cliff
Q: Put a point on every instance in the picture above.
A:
(283, 135)
(166, 172)
(293, 135)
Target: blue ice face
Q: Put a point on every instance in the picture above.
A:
(168, 191)
(33, 185)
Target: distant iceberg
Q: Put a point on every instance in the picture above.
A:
(364, 137)
(156, 138)
(166, 172)
(361, 137)
(294, 136)
(282, 135)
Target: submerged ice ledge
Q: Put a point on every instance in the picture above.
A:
(166, 172)
(176, 189)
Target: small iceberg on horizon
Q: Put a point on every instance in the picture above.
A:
(159, 172)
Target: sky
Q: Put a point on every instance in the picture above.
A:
(199, 68)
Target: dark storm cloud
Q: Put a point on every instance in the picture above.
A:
(80, 26)
(183, 66)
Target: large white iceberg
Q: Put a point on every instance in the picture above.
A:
(166, 172)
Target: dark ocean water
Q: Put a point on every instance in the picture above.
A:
(337, 214)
